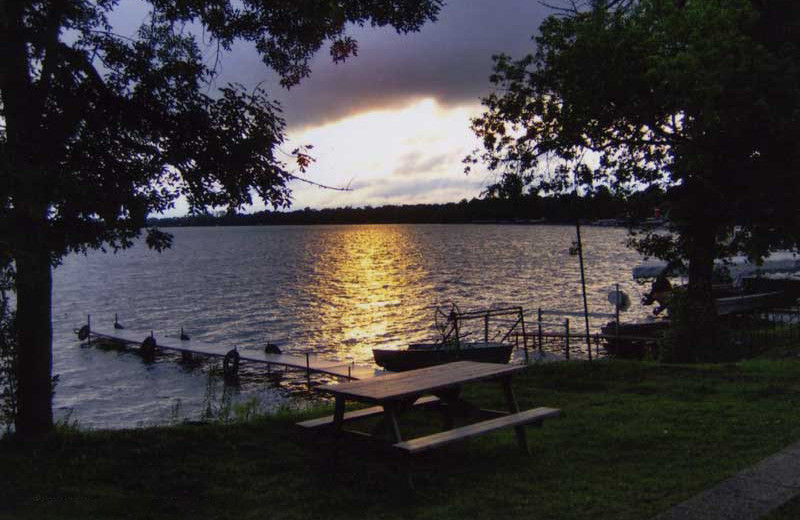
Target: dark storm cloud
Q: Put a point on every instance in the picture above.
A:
(449, 60)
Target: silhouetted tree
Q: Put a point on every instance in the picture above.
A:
(699, 97)
(100, 129)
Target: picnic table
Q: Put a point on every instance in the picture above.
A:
(440, 385)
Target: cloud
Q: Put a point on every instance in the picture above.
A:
(417, 162)
(449, 61)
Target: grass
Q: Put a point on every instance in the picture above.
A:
(634, 439)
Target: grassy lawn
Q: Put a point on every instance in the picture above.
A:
(634, 439)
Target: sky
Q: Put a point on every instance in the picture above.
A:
(392, 124)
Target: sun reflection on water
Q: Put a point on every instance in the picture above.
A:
(369, 287)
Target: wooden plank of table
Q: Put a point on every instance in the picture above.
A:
(415, 382)
(518, 419)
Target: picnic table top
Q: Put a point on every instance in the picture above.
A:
(416, 382)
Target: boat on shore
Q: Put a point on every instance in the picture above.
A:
(454, 326)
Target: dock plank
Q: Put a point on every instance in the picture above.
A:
(169, 342)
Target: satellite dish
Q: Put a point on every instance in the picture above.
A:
(620, 300)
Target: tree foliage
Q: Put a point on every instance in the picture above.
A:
(98, 129)
(699, 97)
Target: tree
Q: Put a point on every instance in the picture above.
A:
(99, 130)
(698, 97)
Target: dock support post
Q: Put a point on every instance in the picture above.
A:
(616, 318)
(524, 337)
(540, 330)
(566, 338)
(308, 369)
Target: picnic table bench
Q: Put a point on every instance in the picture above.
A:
(437, 385)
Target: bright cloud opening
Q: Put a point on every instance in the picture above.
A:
(405, 156)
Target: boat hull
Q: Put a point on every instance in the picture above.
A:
(423, 355)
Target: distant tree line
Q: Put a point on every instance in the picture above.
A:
(495, 206)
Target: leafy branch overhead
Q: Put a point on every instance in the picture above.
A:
(98, 130)
(698, 97)
(103, 129)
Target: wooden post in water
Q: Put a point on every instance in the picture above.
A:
(566, 338)
(540, 330)
(583, 288)
(524, 338)
(486, 329)
(89, 327)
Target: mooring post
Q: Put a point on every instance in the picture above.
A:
(486, 329)
(89, 327)
(540, 330)
(524, 337)
(566, 337)
(616, 319)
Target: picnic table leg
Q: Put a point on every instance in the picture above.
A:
(338, 416)
(451, 399)
(513, 407)
(390, 412)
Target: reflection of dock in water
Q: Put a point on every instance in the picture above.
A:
(149, 343)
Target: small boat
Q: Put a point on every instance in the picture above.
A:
(420, 355)
(633, 339)
(451, 346)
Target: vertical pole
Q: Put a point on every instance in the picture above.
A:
(566, 337)
(486, 329)
(89, 326)
(583, 288)
(540, 330)
(616, 312)
(524, 339)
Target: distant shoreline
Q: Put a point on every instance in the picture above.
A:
(601, 208)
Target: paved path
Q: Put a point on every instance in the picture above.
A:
(747, 495)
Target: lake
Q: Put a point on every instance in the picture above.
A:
(337, 290)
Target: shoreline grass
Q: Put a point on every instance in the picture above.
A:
(635, 438)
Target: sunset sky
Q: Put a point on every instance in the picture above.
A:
(393, 122)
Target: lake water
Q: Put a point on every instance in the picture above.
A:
(337, 290)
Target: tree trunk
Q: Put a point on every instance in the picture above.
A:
(702, 311)
(34, 339)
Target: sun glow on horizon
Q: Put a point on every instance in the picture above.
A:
(393, 156)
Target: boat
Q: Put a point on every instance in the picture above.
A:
(633, 339)
(420, 355)
(755, 287)
(453, 327)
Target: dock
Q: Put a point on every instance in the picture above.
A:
(149, 342)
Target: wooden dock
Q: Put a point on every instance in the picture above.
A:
(148, 342)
